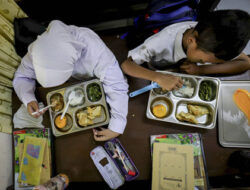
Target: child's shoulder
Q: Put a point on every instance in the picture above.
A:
(180, 25)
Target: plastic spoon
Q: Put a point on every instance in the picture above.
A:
(147, 88)
(51, 105)
(72, 95)
(144, 89)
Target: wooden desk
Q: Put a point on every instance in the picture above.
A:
(72, 151)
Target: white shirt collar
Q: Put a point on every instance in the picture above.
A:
(178, 49)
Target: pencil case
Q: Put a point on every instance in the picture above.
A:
(114, 163)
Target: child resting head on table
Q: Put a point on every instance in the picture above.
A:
(65, 51)
(219, 39)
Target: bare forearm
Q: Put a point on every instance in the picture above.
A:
(131, 68)
(236, 66)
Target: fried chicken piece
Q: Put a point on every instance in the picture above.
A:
(182, 116)
(83, 119)
(94, 112)
(197, 110)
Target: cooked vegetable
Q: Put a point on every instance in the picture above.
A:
(94, 92)
(207, 90)
(57, 100)
(160, 91)
(241, 98)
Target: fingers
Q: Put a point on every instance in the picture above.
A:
(185, 67)
(104, 134)
(177, 83)
(99, 135)
(33, 107)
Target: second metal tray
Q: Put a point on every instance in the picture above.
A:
(175, 102)
(231, 120)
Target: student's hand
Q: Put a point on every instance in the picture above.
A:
(168, 82)
(33, 107)
(104, 134)
(190, 68)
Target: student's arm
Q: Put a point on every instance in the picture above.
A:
(168, 82)
(116, 90)
(24, 84)
(238, 65)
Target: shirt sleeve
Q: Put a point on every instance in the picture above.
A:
(140, 54)
(149, 49)
(24, 81)
(116, 89)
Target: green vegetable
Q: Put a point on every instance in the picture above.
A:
(207, 90)
(94, 92)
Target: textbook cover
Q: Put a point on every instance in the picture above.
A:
(187, 139)
(19, 137)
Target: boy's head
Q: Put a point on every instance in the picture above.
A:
(221, 35)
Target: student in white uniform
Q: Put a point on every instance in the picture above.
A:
(218, 39)
(64, 51)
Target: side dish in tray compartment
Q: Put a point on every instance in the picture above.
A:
(207, 90)
(64, 124)
(187, 91)
(86, 118)
(193, 114)
(182, 116)
(57, 100)
(161, 107)
(94, 92)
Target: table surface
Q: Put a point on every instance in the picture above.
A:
(72, 151)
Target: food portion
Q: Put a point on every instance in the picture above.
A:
(187, 90)
(83, 119)
(182, 116)
(94, 92)
(63, 124)
(207, 90)
(60, 123)
(197, 110)
(57, 101)
(86, 117)
(78, 98)
(194, 112)
(94, 112)
(159, 110)
(241, 98)
(160, 91)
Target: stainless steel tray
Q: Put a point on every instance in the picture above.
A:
(176, 103)
(71, 114)
(231, 119)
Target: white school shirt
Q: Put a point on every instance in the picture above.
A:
(163, 48)
(95, 59)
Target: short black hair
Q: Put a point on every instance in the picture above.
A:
(224, 33)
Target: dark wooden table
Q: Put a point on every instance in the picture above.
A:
(72, 151)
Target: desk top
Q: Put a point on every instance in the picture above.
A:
(72, 151)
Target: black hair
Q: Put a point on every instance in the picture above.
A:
(224, 33)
